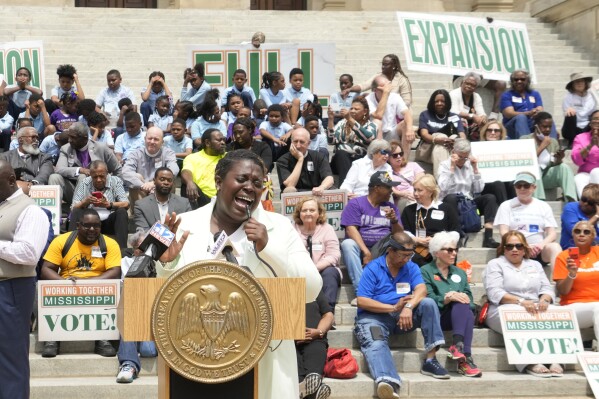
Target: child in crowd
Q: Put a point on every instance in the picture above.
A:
(244, 112)
(247, 93)
(339, 104)
(126, 143)
(6, 122)
(66, 115)
(84, 108)
(273, 90)
(232, 107)
(209, 118)
(259, 111)
(178, 141)
(35, 109)
(19, 92)
(52, 143)
(97, 123)
(184, 110)
(318, 140)
(299, 94)
(161, 117)
(275, 131)
(108, 99)
(157, 87)
(311, 108)
(125, 106)
(199, 87)
(67, 76)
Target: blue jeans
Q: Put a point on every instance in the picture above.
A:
(377, 352)
(521, 125)
(130, 351)
(352, 257)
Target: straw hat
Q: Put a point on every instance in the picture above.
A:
(577, 76)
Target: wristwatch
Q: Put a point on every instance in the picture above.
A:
(408, 306)
(520, 300)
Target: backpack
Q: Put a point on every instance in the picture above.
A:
(469, 217)
(340, 364)
(69, 243)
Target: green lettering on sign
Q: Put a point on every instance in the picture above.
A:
(412, 39)
(206, 58)
(305, 57)
(232, 65)
(254, 76)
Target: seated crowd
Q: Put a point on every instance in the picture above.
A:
(403, 226)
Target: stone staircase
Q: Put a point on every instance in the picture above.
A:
(96, 40)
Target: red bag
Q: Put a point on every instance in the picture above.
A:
(340, 364)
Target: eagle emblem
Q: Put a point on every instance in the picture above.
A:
(211, 322)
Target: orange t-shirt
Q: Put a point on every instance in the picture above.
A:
(585, 286)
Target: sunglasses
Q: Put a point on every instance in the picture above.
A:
(450, 250)
(397, 155)
(519, 79)
(586, 232)
(588, 201)
(522, 185)
(510, 247)
(384, 152)
(493, 130)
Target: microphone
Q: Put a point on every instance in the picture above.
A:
(154, 244)
(248, 213)
(227, 249)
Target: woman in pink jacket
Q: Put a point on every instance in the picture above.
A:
(585, 154)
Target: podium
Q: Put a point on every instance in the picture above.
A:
(134, 319)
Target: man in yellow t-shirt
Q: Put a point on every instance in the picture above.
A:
(198, 169)
(84, 259)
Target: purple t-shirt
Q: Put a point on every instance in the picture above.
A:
(370, 221)
(62, 121)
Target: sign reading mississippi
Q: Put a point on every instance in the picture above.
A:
(456, 45)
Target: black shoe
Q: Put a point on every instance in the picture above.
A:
(51, 349)
(104, 348)
(490, 243)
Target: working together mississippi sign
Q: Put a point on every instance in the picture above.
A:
(14, 55)
(334, 202)
(456, 45)
(503, 160)
(549, 337)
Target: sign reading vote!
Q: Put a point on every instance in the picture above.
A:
(549, 337)
(78, 310)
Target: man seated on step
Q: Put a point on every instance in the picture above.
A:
(84, 253)
(75, 158)
(142, 163)
(105, 194)
(367, 220)
(163, 201)
(392, 299)
(302, 169)
(533, 218)
(33, 166)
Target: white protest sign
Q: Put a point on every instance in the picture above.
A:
(317, 61)
(455, 45)
(48, 197)
(334, 202)
(81, 310)
(503, 160)
(589, 361)
(552, 336)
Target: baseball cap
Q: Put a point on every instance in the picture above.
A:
(382, 179)
(525, 177)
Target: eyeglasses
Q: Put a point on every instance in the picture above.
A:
(31, 137)
(522, 185)
(461, 158)
(586, 232)
(450, 250)
(397, 155)
(493, 130)
(384, 152)
(90, 226)
(404, 255)
(588, 201)
(510, 247)
(519, 79)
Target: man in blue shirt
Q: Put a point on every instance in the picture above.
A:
(392, 298)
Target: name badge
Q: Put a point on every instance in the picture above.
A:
(532, 99)
(384, 209)
(437, 215)
(456, 278)
(517, 99)
(96, 253)
(157, 163)
(402, 288)
(421, 233)
(317, 246)
(453, 118)
(310, 166)
(533, 228)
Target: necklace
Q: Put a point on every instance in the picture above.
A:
(441, 117)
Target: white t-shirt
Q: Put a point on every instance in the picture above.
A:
(393, 112)
(530, 220)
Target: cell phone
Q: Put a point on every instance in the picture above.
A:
(335, 107)
(573, 253)
(377, 333)
(99, 195)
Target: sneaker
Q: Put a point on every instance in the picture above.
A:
(490, 243)
(310, 384)
(104, 348)
(384, 390)
(455, 352)
(468, 368)
(127, 374)
(51, 349)
(324, 391)
(434, 369)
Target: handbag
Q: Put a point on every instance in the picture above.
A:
(422, 251)
(424, 152)
(469, 217)
(340, 364)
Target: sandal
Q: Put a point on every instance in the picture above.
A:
(538, 370)
(556, 370)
